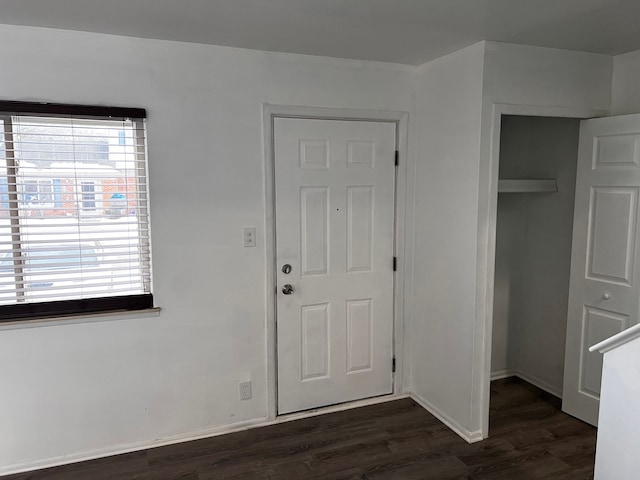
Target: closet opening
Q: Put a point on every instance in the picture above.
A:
(537, 175)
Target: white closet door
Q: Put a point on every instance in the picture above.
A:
(334, 228)
(604, 291)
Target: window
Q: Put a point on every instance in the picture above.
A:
(88, 196)
(74, 216)
(37, 191)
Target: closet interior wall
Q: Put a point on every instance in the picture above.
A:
(533, 251)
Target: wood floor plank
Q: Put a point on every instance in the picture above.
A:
(530, 438)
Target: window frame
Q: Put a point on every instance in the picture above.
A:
(88, 195)
(47, 309)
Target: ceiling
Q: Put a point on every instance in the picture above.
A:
(401, 31)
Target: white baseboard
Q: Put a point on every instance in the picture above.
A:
(468, 436)
(500, 374)
(132, 447)
(191, 435)
(476, 436)
(541, 384)
(532, 379)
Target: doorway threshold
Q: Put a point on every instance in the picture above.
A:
(339, 407)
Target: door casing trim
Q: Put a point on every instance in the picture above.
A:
(401, 120)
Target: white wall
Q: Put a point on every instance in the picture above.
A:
(529, 81)
(449, 107)
(523, 75)
(626, 81)
(455, 211)
(619, 417)
(533, 250)
(97, 387)
(510, 237)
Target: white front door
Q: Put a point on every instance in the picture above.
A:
(334, 184)
(604, 292)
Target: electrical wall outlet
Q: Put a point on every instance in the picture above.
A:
(245, 390)
(249, 234)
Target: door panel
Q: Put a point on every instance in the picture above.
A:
(597, 325)
(315, 341)
(359, 344)
(335, 185)
(611, 256)
(360, 228)
(314, 230)
(604, 291)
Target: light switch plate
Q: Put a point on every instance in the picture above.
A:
(249, 234)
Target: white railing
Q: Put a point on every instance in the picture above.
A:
(617, 340)
(619, 418)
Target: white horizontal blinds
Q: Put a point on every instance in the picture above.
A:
(74, 220)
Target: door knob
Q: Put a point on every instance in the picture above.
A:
(606, 295)
(287, 289)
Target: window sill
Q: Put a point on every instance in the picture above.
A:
(80, 318)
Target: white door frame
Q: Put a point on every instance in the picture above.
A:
(487, 219)
(401, 119)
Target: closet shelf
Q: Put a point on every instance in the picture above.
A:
(527, 186)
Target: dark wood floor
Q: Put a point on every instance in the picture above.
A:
(530, 438)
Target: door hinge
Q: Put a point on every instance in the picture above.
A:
(397, 158)
(393, 365)
(395, 263)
